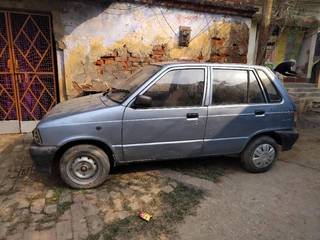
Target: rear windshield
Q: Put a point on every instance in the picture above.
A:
(272, 92)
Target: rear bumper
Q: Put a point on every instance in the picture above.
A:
(288, 138)
(43, 156)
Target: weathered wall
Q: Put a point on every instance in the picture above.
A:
(134, 35)
(288, 45)
(100, 40)
(295, 43)
(216, 46)
(304, 55)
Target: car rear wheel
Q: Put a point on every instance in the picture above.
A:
(84, 166)
(260, 154)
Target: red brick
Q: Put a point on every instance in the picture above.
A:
(158, 47)
(134, 59)
(136, 64)
(200, 57)
(108, 57)
(158, 52)
(121, 59)
(125, 65)
(157, 57)
(217, 42)
(99, 62)
(109, 61)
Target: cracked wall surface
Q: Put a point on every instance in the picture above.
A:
(97, 38)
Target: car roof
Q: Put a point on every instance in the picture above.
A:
(189, 63)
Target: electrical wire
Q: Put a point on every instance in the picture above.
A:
(205, 28)
(161, 25)
(201, 31)
(168, 23)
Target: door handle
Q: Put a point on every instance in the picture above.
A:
(259, 113)
(192, 116)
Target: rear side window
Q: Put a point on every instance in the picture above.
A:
(229, 87)
(255, 94)
(273, 93)
(235, 87)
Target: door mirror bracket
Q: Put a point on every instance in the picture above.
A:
(142, 101)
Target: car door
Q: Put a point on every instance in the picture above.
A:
(174, 126)
(237, 110)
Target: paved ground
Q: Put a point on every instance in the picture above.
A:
(35, 206)
(281, 204)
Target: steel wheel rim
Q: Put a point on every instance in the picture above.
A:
(263, 155)
(83, 169)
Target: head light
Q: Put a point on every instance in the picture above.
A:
(36, 136)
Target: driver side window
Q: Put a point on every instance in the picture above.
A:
(178, 88)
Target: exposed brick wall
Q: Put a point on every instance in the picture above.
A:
(228, 45)
(122, 62)
(127, 62)
(232, 48)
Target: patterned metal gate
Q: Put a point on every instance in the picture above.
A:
(27, 70)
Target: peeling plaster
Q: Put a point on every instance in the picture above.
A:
(88, 30)
(139, 28)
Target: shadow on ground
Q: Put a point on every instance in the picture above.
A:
(209, 168)
(37, 205)
(17, 164)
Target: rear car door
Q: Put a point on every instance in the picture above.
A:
(174, 126)
(237, 110)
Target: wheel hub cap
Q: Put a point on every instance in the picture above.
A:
(84, 167)
(263, 155)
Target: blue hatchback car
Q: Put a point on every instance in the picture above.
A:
(168, 111)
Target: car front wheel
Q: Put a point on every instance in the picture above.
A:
(260, 154)
(84, 166)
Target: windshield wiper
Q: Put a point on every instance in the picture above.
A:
(109, 92)
(115, 90)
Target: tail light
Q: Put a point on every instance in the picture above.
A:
(295, 117)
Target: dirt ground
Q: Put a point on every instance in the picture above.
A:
(283, 203)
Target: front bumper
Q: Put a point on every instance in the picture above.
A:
(43, 156)
(288, 138)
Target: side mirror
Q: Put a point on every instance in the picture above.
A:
(142, 101)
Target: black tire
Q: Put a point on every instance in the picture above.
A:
(250, 160)
(86, 159)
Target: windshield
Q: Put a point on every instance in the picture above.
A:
(125, 87)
